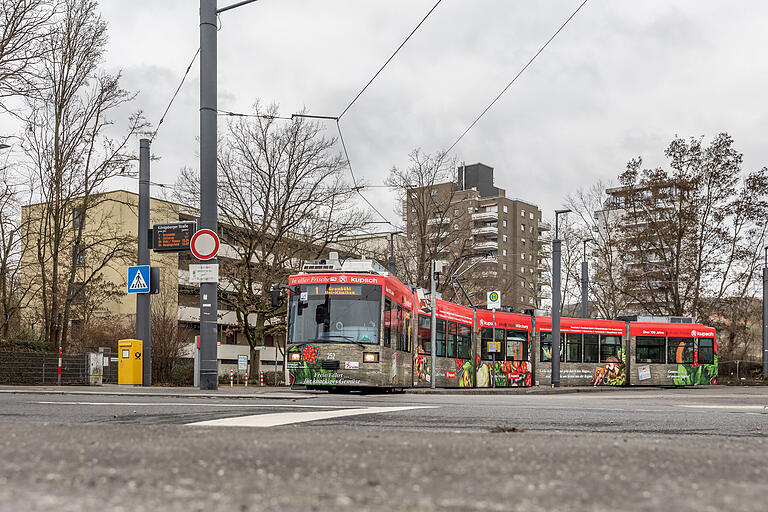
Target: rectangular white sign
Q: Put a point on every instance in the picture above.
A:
(643, 372)
(204, 273)
(242, 362)
(351, 365)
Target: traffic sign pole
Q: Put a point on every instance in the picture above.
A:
(143, 331)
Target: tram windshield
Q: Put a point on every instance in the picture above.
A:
(335, 313)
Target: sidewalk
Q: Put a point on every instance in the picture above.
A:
(286, 393)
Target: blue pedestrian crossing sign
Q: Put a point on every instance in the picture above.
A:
(138, 279)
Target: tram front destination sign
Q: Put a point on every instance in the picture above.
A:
(172, 237)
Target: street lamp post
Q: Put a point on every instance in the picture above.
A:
(556, 302)
(585, 282)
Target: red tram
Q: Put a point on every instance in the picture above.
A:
(353, 325)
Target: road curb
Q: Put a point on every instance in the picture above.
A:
(278, 395)
(522, 391)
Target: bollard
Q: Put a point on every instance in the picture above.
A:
(59, 378)
(261, 378)
(231, 377)
(246, 378)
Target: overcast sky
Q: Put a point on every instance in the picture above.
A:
(621, 80)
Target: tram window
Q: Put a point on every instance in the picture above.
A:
(423, 334)
(590, 348)
(680, 351)
(387, 321)
(404, 320)
(609, 347)
(500, 344)
(397, 324)
(486, 336)
(450, 340)
(573, 347)
(517, 346)
(464, 336)
(650, 349)
(706, 351)
(440, 337)
(545, 343)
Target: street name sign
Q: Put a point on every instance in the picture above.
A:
(138, 279)
(173, 236)
(204, 244)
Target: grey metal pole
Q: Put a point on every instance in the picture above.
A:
(493, 367)
(555, 313)
(392, 261)
(208, 202)
(143, 332)
(765, 319)
(584, 289)
(433, 324)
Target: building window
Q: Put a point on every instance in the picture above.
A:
(78, 218)
(469, 210)
(522, 256)
(530, 257)
(503, 252)
(531, 215)
(522, 241)
(522, 213)
(504, 223)
(522, 269)
(506, 210)
(504, 237)
(504, 267)
(433, 192)
(76, 293)
(522, 228)
(78, 255)
(522, 284)
(531, 229)
(456, 212)
(455, 227)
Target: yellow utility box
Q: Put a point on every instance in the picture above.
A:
(129, 365)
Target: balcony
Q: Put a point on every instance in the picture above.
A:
(434, 222)
(545, 226)
(485, 216)
(486, 230)
(487, 245)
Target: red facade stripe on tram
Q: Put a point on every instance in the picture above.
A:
(582, 325)
(676, 330)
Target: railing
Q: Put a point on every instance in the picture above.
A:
(42, 368)
(485, 216)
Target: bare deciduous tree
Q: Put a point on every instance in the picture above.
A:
(283, 199)
(23, 25)
(71, 155)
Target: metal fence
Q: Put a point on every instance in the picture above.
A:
(109, 372)
(42, 368)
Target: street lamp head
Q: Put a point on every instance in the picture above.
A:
(4, 146)
(558, 212)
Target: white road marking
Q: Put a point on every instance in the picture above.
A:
(181, 404)
(726, 406)
(287, 418)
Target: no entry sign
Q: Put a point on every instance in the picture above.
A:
(204, 244)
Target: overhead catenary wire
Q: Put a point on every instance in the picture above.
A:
(541, 49)
(389, 59)
(183, 78)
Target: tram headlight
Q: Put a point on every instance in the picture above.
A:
(370, 357)
(294, 356)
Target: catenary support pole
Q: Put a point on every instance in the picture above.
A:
(433, 324)
(585, 282)
(555, 313)
(208, 201)
(765, 314)
(143, 331)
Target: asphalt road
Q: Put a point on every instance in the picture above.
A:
(695, 449)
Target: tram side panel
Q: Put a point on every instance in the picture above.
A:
(592, 352)
(673, 354)
(503, 349)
